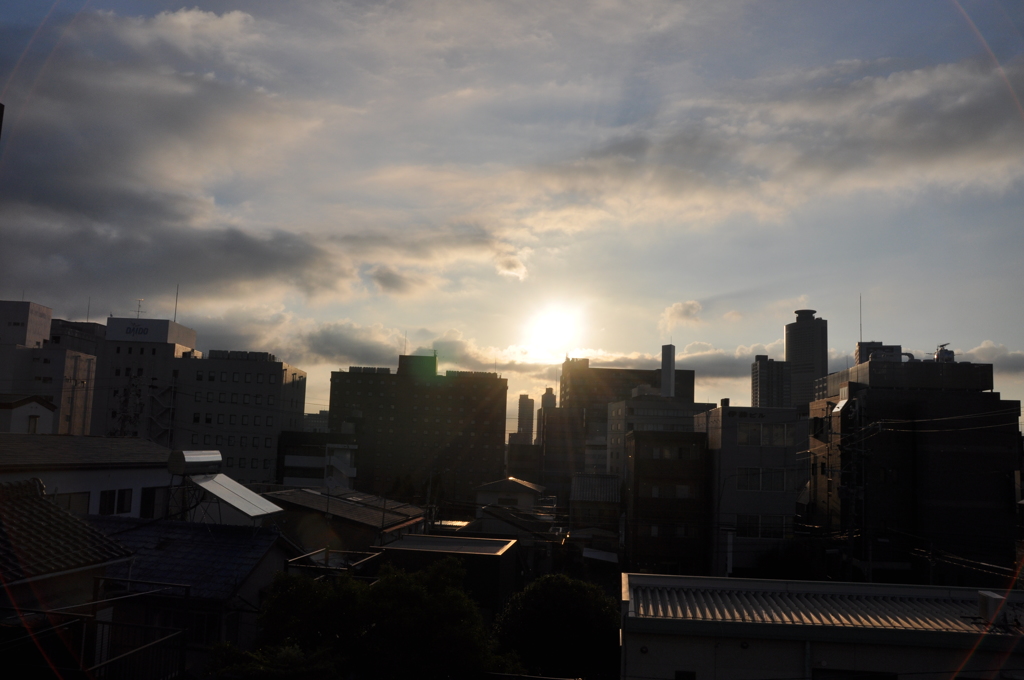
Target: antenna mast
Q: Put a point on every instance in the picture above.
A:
(860, 305)
(176, 287)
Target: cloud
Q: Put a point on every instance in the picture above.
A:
(1003, 360)
(679, 314)
(391, 281)
(345, 341)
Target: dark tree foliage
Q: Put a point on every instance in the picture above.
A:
(559, 626)
(404, 625)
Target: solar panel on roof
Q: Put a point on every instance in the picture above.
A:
(235, 495)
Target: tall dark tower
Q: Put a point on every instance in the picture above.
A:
(525, 429)
(806, 354)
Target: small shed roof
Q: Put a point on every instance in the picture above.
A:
(13, 401)
(511, 485)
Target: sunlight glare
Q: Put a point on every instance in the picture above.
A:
(552, 333)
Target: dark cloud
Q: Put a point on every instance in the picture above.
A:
(391, 281)
(347, 342)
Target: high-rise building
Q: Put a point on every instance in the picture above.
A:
(238, 403)
(420, 434)
(524, 431)
(769, 383)
(806, 354)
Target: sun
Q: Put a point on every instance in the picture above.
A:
(553, 332)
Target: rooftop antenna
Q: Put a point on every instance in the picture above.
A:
(138, 309)
(88, 308)
(860, 305)
(176, 287)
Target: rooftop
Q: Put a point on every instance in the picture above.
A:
(866, 606)
(38, 539)
(52, 452)
(213, 559)
(452, 544)
(353, 506)
(511, 485)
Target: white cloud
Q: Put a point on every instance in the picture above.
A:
(680, 314)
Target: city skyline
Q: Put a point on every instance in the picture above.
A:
(338, 185)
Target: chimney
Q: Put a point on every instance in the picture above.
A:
(668, 370)
(725, 403)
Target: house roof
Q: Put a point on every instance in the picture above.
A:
(213, 559)
(13, 401)
(511, 485)
(595, 488)
(803, 604)
(351, 506)
(19, 452)
(39, 539)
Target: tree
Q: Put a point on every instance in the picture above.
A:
(559, 626)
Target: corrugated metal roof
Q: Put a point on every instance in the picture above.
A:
(595, 488)
(511, 485)
(848, 606)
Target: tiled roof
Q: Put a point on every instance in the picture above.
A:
(45, 451)
(38, 538)
(13, 401)
(511, 485)
(595, 488)
(356, 507)
(795, 603)
(213, 559)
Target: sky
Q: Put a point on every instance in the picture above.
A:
(510, 183)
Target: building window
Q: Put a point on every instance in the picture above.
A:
(255, 442)
(266, 463)
(259, 378)
(248, 377)
(118, 351)
(223, 376)
(234, 377)
(219, 440)
(209, 419)
(241, 462)
(199, 396)
(199, 376)
(220, 418)
(108, 500)
(259, 399)
(245, 420)
(748, 479)
(210, 397)
(273, 378)
(243, 441)
(234, 397)
(153, 503)
(254, 463)
(206, 439)
(270, 399)
(245, 398)
(270, 421)
(267, 442)
(747, 526)
(223, 397)
(748, 434)
(117, 372)
(116, 502)
(230, 462)
(231, 441)
(255, 420)
(232, 419)
(195, 417)
(212, 376)
(195, 438)
(654, 531)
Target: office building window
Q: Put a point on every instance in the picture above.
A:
(255, 442)
(199, 396)
(223, 397)
(229, 462)
(212, 376)
(223, 376)
(195, 417)
(209, 419)
(199, 376)
(243, 441)
(245, 398)
(255, 463)
(206, 439)
(220, 418)
(232, 419)
(267, 442)
(266, 463)
(241, 462)
(195, 438)
(234, 377)
(270, 421)
(255, 420)
(209, 397)
(259, 378)
(248, 377)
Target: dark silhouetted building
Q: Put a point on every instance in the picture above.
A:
(770, 385)
(668, 502)
(422, 434)
(524, 430)
(914, 470)
(760, 471)
(806, 355)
